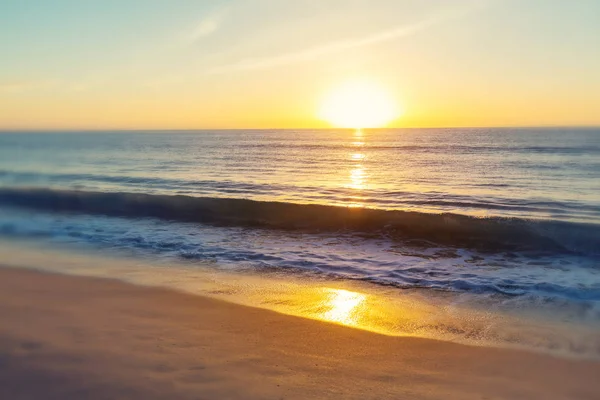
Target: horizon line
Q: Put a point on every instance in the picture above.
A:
(99, 130)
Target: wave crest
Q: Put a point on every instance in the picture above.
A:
(485, 234)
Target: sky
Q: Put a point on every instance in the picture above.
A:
(183, 64)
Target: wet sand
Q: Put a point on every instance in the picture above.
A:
(66, 337)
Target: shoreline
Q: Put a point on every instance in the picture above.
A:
(68, 336)
(426, 314)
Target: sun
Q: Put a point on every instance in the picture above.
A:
(359, 104)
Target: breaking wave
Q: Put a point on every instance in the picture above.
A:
(483, 234)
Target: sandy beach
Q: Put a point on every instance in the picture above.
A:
(65, 337)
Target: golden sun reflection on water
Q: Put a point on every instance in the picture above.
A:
(343, 306)
(357, 183)
(358, 173)
(357, 177)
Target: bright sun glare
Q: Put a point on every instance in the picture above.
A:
(343, 306)
(359, 104)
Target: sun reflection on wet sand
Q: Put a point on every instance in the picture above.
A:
(344, 306)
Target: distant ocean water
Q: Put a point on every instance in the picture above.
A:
(513, 213)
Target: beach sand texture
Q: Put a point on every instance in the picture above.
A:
(65, 337)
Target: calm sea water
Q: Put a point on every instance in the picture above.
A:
(506, 214)
(528, 173)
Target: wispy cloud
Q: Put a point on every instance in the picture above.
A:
(335, 47)
(209, 24)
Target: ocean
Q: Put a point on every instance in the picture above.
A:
(504, 221)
